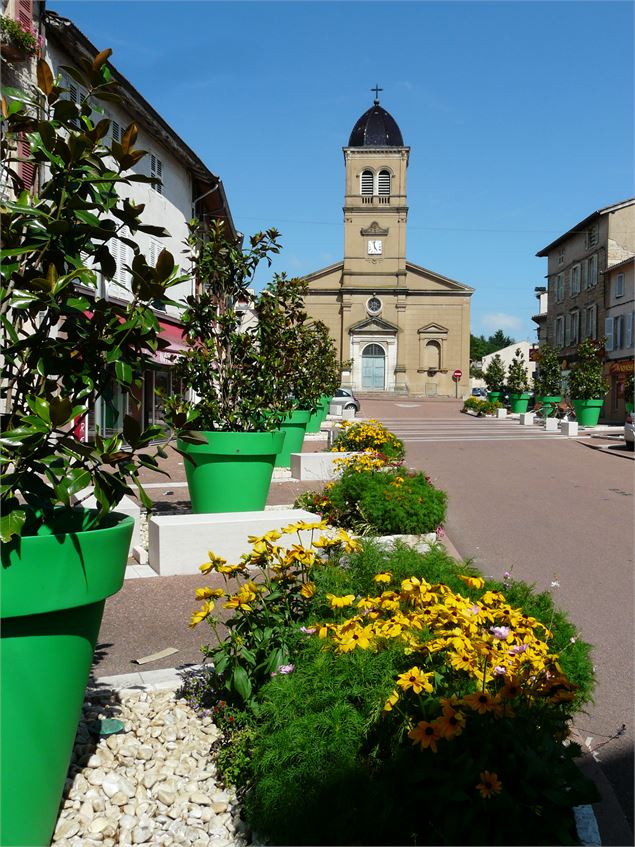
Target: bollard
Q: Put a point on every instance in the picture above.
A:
(501, 413)
(526, 418)
(569, 429)
(551, 424)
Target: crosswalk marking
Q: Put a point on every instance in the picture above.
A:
(466, 429)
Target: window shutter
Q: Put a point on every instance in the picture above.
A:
(115, 129)
(618, 325)
(567, 330)
(26, 170)
(367, 182)
(25, 13)
(619, 285)
(156, 170)
(383, 183)
(585, 283)
(594, 322)
(628, 334)
(608, 332)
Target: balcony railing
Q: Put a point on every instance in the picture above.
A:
(375, 200)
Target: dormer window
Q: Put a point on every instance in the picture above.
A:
(367, 182)
(383, 183)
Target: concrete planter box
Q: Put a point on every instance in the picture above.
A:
(316, 466)
(526, 418)
(178, 544)
(501, 413)
(551, 424)
(569, 429)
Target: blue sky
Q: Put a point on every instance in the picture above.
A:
(519, 116)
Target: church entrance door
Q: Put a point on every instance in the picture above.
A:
(373, 367)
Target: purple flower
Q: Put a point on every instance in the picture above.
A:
(500, 670)
(500, 632)
(284, 669)
(440, 531)
(474, 609)
(308, 630)
(517, 648)
(507, 575)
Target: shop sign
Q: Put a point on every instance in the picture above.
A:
(625, 367)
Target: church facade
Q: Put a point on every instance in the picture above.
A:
(401, 327)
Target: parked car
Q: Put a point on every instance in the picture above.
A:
(345, 399)
(629, 426)
(480, 392)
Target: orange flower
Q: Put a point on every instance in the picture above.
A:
(490, 784)
(426, 735)
(451, 723)
(481, 702)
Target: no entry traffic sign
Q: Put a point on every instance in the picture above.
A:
(457, 375)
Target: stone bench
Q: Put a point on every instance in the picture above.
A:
(178, 544)
(126, 506)
(315, 466)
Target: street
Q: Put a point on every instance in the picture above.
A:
(548, 509)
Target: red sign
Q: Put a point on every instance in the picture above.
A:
(457, 375)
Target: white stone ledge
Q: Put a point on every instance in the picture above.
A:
(178, 544)
(316, 466)
(126, 506)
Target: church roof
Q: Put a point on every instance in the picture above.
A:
(376, 128)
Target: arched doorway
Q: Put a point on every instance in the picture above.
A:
(373, 367)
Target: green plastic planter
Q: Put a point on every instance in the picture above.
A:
(315, 420)
(519, 402)
(548, 403)
(325, 402)
(294, 427)
(629, 407)
(587, 412)
(495, 396)
(53, 590)
(232, 471)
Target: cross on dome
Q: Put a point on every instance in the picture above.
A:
(376, 89)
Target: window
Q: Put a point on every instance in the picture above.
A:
(559, 332)
(383, 183)
(156, 170)
(592, 236)
(575, 280)
(608, 333)
(585, 276)
(593, 270)
(121, 254)
(619, 285)
(628, 334)
(559, 288)
(367, 182)
(561, 256)
(574, 336)
(618, 332)
(590, 330)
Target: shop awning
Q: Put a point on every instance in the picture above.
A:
(173, 334)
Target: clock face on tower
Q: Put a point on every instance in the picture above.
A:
(374, 248)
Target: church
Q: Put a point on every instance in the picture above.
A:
(399, 327)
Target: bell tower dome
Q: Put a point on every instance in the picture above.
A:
(375, 210)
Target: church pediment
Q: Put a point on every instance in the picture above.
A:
(433, 329)
(374, 229)
(373, 325)
(434, 281)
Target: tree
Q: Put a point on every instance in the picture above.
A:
(481, 346)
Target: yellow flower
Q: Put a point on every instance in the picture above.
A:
(213, 564)
(481, 702)
(426, 735)
(272, 535)
(451, 723)
(382, 577)
(206, 593)
(202, 613)
(392, 700)
(308, 590)
(472, 581)
(415, 679)
(490, 784)
(247, 594)
(340, 602)
(358, 637)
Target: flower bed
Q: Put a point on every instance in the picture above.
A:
(476, 406)
(436, 703)
(369, 436)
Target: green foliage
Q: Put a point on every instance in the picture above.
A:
(517, 379)
(481, 346)
(494, 375)
(548, 378)
(368, 435)
(63, 348)
(386, 502)
(586, 379)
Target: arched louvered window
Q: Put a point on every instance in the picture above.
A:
(383, 183)
(367, 182)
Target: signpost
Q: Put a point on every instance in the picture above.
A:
(456, 376)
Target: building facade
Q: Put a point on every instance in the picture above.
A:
(580, 266)
(618, 332)
(399, 327)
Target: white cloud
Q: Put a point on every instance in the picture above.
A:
(499, 320)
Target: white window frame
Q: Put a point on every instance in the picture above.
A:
(609, 343)
(619, 285)
(575, 280)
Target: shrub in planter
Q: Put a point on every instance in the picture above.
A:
(494, 375)
(483, 407)
(385, 502)
(62, 349)
(518, 383)
(548, 379)
(587, 386)
(368, 435)
(628, 392)
(426, 739)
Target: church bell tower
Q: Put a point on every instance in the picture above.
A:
(375, 210)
